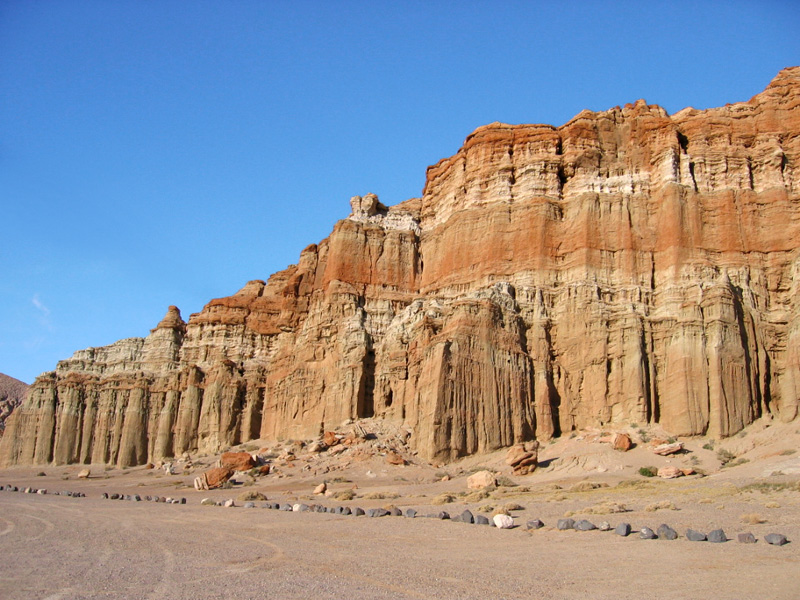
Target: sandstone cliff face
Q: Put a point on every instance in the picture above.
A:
(12, 391)
(628, 266)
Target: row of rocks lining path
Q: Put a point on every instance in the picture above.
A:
(500, 521)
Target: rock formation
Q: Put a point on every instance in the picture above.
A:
(12, 391)
(628, 266)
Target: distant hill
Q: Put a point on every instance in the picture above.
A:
(12, 392)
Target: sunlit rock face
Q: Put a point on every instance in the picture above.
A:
(628, 266)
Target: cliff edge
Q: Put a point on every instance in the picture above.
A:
(627, 266)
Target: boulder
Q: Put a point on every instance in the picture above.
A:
(669, 472)
(776, 539)
(215, 477)
(564, 524)
(84, 474)
(410, 513)
(622, 442)
(237, 461)
(717, 536)
(480, 480)
(534, 524)
(665, 532)
(695, 536)
(321, 488)
(647, 534)
(466, 517)
(584, 525)
(746, 538)
(667, 449)
(393, 458)
(503, 521)
(481, 520)
(523, 458)
(330, 439)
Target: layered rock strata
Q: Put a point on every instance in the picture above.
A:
(12, 392)
(627, 267)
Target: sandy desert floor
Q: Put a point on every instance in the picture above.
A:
(54, 546)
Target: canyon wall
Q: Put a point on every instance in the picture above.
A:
(627, 267)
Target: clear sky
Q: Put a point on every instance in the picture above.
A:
(157, 153)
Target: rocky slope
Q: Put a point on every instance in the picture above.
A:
(627, 267)
(12, 391)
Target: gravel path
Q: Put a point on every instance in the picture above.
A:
(59, 547)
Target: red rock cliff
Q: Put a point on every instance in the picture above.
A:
(628, 266)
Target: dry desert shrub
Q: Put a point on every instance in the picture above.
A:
(772, 505)
(513, 506)
(443, 499)
(251, 496)
(503, 481)
(753, 519)
(605, 508)
(486, 508)
(663, 505)
(381, 496)
(587, 486)
(633, 484)
(344, 495)
(705, 501)
(476, 496)
(766, 488)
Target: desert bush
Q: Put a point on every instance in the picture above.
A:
(513, 506)
(634, 484)
(443, 499)
(648, 471)
(250, 496)
(476, 496)
(753, 519)
(381, 496)
(503, 481)
(725, 456)
(663, 505)
(708, 445)
(344, 495)
(605, 508)
(587, 486)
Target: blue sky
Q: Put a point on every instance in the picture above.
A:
(157, 153)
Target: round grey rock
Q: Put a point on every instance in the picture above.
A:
(534, 524)
(665, 532)
(466, 517)
(647, 534)
(717, 536)
(410, 513)
(584, 525)
(695, 536)
(358, 512)
(564, 524)
(482, 520)
(776, 539)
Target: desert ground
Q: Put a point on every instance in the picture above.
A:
(59, 546)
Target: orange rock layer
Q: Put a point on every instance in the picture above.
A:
(628, 266)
